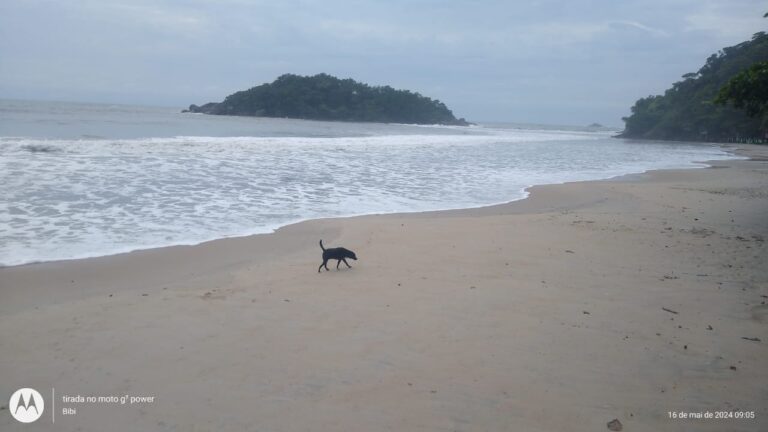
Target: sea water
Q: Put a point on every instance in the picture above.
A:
(84, 180)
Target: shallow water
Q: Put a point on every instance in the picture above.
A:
(89, 180)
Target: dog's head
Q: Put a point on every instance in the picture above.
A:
(352, 255)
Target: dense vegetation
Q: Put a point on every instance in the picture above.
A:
(688, 111)
(324, 97)
(748, 91)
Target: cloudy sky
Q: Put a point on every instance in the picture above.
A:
(548, 61)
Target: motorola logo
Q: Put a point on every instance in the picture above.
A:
(26, 405)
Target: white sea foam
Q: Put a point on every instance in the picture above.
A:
(67, 199)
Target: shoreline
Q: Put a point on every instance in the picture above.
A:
(586, 302)
(526, 191)
(189, 253)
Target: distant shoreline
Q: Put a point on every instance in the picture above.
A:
(732, 141)
(468, 123)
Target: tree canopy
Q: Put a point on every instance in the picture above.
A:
(748, 91)
(687, 111)
(324, 97)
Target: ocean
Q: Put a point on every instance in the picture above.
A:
(85, 180)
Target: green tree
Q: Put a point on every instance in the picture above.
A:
(687, 110)
(748, 90)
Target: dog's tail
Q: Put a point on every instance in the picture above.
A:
(321, 246)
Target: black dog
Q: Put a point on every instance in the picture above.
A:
(339, 254)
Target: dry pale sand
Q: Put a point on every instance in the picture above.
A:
(541, 315)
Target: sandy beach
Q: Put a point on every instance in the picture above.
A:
(624, 299)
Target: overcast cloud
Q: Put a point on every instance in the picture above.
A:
(564, 62)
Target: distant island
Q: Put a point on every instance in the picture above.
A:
(325, 97)
(691, 109)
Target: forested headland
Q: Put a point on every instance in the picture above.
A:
(701, 107)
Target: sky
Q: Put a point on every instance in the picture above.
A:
(553, 62)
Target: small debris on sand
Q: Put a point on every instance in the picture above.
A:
(669, 310)
(753, 339)
(615, 425)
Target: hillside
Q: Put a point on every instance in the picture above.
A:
(687, 112)
(324, 97)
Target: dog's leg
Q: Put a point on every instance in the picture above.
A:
(345, 262)
(337, 264)
(325, 263)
